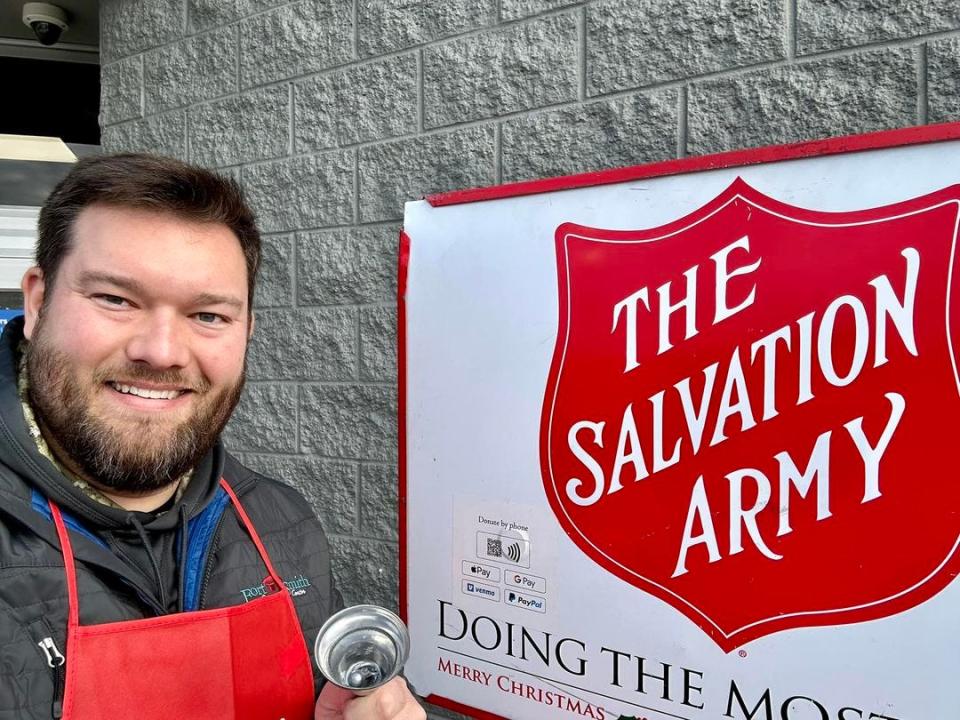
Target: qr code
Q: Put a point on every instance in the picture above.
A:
(494, 547)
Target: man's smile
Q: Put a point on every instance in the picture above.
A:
(144, 396)
(146, 392)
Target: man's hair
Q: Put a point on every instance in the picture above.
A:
(144, 182)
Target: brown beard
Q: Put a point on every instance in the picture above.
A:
(138, 457)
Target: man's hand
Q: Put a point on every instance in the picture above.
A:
(393, 701)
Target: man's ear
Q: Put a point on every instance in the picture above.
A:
(253, 320)
(33, 287)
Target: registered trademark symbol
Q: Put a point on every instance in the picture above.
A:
(742, 653)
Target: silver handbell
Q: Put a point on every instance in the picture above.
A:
(361, 648)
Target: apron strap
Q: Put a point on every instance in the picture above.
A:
(73, 617)
(253, 534)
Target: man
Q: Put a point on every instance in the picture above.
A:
(142, 568)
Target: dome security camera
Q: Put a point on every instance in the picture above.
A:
(47, 21)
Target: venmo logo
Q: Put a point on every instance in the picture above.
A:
(485, 591)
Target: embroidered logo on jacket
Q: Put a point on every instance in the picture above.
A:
(297, 586)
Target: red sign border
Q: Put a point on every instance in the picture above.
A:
(883, 139)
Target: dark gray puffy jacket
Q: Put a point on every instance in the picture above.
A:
(222, 567)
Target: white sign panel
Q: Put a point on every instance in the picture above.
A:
(678, 441)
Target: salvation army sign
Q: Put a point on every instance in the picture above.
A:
(749, 396)
(678, 442)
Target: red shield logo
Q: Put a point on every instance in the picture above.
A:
(752, 411)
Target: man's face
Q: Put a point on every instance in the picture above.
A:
(136, 354)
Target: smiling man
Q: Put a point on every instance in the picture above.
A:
(143, 571)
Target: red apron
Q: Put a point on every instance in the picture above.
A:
(247, 662)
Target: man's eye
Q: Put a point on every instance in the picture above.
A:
(210, 318)
(114, 300)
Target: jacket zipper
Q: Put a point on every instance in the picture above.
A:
(209, 564)
(56, 661)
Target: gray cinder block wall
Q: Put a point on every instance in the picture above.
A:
(332, 113)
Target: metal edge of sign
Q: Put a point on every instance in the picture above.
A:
(403, 257)
(915, 135)
(879, 140)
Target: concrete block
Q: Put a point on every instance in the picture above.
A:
(295, 39)
(242, 128)
(370, 102)
(265, 420)
(131, 26)
(233, 173)
(515, 9)
(378, 501)
(302, 192)
(330, 486)
(385, 26)
(831, 24)
(121, 91)
(352, 422)
(204, 14)
(497, 72)
(275, 283)
(191, 71)
(943, 80)
(612, 133)
(395, 172)
(366, 571)
(347, 267)
(378, 344)
(162, 134)
(837, 96)
(635, 43)
(314, 344)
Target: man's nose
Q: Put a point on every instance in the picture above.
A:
(160, 341)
